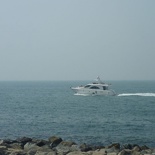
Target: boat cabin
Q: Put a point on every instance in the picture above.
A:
(96, 86)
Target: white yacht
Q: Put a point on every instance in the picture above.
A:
(96, 88)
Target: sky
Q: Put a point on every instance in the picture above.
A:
(77, 39)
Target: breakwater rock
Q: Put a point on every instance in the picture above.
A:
(56, 146)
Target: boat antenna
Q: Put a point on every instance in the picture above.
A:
(99, 80)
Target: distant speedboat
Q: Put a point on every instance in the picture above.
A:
(96, 88)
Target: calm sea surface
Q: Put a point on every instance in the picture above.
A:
(44, 109)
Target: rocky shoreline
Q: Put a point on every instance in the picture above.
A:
(56, 146)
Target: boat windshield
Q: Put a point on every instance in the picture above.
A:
(87, 86)
(94, 87)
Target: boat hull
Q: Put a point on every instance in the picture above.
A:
(81, 90)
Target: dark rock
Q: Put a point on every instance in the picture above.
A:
(127, 146)
(40, 142)
(31, 152)
(54, 141)
(24, 140)
(7, 141)
(144, 147)
(2, 143)
(85, 148)
(115, 145)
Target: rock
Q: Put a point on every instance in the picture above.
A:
(115, 145)
(7, 141)
(31, 152)
(3, 150)
(94, 148)
(1, 142)
(79, 153)
(16, 146)
(125, 152)
(54, 141)
(45, 153)
(112, 149)
(148, 151)
(24, 140)
(3, 147)
(113, 153)
(136, 148)
(135, 152)
(67, 143)
(56, 146)
(31, 146)
(153, 151)
(40, 142)
(64, 149)
(45, 147)
(144, 147)
(100, 152)
(85, 148)
(127, 146)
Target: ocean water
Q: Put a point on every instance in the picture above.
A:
(46, 108)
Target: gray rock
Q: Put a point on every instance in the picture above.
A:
(79, 153)
(153, 150)
(112, 153)
(136, 148)
(31, 152)
(67, 143)
(31, 146)
(148, 151)
(144, 147)
(16, 146)
(54, 141)
(135, 152)
(100, 152)
(112, 149)
(11, 151)
(64, 149)
(3, 150)
(125, 152)
(127, 146)
(84, 147)
(45, 153)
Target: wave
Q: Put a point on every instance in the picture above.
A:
(137, 94)
(82, 94)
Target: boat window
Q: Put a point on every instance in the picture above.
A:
(94, 87)
(105, 88)
(87, 86)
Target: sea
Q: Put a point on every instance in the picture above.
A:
(40, 109)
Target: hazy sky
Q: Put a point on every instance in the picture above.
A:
(77, 39)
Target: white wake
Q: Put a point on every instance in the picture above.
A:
(137, 94)
(82, 94)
